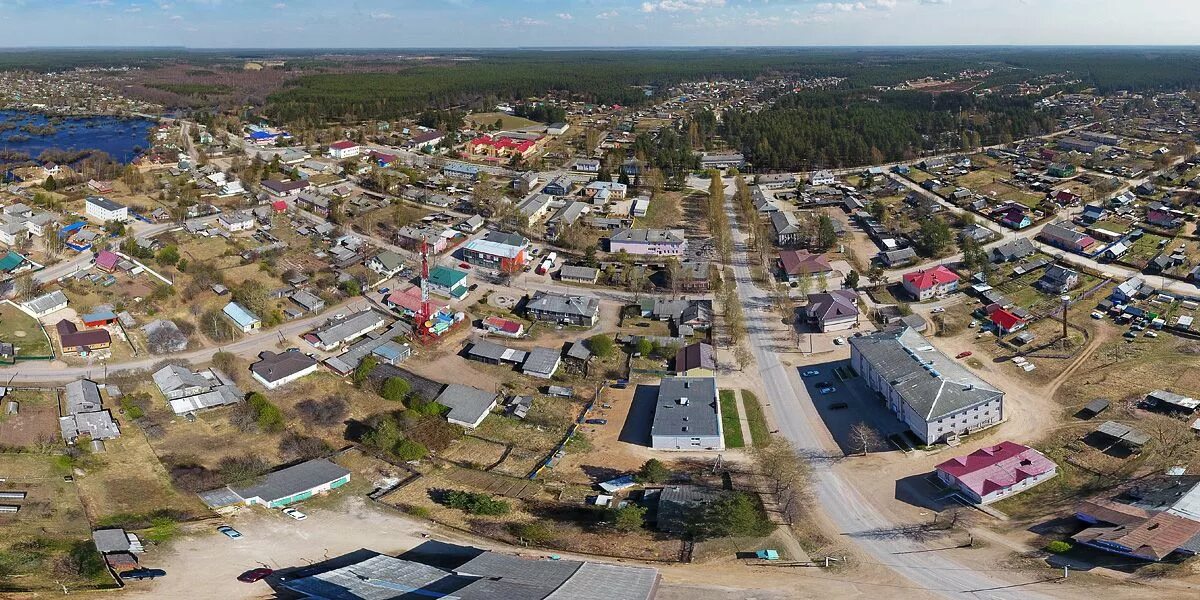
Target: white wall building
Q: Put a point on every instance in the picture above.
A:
(105, 210)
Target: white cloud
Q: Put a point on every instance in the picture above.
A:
(530, 21)
(610, 14)
(565, 16)
(279, 6)
(133, 9)
(681, 5)
(176, 17)
(381, 16)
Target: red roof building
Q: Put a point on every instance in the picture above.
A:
(1005, 321)
(279, 206)
(500, 147)
(928, 283)
(505, 327)
(107, 261)
(795, 264)
(996, 472)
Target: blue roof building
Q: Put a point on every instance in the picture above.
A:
(244, 319)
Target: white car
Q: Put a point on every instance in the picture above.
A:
(938, 310)
(837, 341)
(295, 514)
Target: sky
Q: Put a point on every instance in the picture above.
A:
(559, 23)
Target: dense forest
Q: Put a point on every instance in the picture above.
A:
(845, 128)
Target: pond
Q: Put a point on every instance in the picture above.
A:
(32, 133)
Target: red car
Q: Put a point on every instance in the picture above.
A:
(963, 354)
(464, 265)
(255, 575)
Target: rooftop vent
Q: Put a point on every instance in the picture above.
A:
(683, 401)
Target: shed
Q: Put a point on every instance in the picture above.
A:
(1123, 434)
(1094, 408)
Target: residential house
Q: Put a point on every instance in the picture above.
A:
(386, 263)
(579, 274)
(1160, 215)
(996, 472)
(1061, 170)
(345, 329)
(898, 257)
(237, 220)
(74, 341)
(502, 326)
(1058, 280)
(1063, 235)
(560, 308)
(422, 237)
(1006, 321)
(934, 395)
(1013, 250)
(836, 310)
(461, 171)
(468, 406)
(245, 320)
(787, 229)
(84, 414)
(46, 304)
(822, 178)
(559, 186)
(274, 370)
(188, 391)
(308, 301)
(696, 360)
(924, 284)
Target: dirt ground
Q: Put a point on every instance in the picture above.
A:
(35, 423)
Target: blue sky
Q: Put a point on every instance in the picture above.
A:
(509, 23)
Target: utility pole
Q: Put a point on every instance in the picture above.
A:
(1066, 305)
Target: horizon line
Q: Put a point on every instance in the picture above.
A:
(595, 47)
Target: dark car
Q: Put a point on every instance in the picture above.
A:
(597, 421)
(823, 384)
(838, 405)
(255, 575)
(139, 574)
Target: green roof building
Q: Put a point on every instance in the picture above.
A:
(11, 262)
(448, 282)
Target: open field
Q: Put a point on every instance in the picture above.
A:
(50, 526)
(127, 482)
(507, 121)
(23, 332)
(36, 422)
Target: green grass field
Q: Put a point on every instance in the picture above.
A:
(731, 423)
(507, 121)
(760, 434)
(23, 331)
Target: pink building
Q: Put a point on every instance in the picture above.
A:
(989, 474)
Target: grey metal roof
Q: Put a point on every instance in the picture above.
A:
(831, 305)
(308, 300)
(1123, 432)
(578, 351)
(337, 331)
(44, 303)
(648, 236)
(698, 416)
(377, 578)
(467, 404)
(541, 361)
(293, 480)
(561, 304)
(81, 396)
(110, 540)
(488, 350)
(594, 581)
(99, 425)
(930, 382)
(578, 272)
(174, 377)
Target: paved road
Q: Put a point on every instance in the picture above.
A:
(83, 260)
(851, 512)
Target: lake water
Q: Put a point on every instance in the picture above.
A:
(122, 139)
